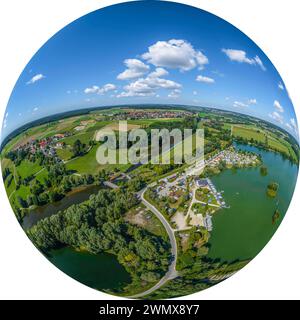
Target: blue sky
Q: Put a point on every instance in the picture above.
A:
(149, 52)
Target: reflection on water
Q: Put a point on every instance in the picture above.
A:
(76, 196)
(243, 230)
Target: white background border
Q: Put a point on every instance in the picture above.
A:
(26, 25)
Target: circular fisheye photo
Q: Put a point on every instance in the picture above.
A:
(149, 158)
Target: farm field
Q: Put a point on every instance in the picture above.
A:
(262, 136)
(66, 168)
(248, 133)
(88, 164)
(28, 168)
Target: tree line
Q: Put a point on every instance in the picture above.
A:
(98, 225)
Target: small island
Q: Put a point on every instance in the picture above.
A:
(275, 216)
(272, 189)
(263, 171)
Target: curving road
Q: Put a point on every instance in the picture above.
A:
(171, 273)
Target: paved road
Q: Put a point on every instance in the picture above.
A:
(171, 273)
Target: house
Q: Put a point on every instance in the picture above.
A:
(201, 182)
(59, 136)
(59, 145)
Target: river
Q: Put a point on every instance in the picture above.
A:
(241, 231)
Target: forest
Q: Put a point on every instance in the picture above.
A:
(98, 225)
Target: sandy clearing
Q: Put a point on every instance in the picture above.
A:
(180, 219)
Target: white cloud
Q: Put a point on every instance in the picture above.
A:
(218, 73)
(5, 120)
(100, 90)
(195, 93)
(252, 101)
(174, 94)
(147, 87)
(278, 106)
(293, 125)
(280, 86)
(239, 104)
(135, 69)
(241, 57)
(259, 63)
(159, 72)
(276, 116)
(289, 126)
(93, 89)
(36, 78)
(72, 91)
(35, 109)
(204, 79)
(175, 54)
(106, 88)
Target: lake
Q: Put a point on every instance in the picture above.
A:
(241, 231)
(99, 271)
(76, 196)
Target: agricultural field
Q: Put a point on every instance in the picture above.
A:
(249, 133)
(263, 136)
(88, 164)
(51, 166)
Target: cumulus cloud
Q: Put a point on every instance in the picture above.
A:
(292, 125)
(159, 72)
(175, 54)
(148, 86)
(204, 79)
(36, 78)
(174, 94)
(100, 90)
(280, 86)
(278, 106)
(289, 126)
(135, 69)
(276, 116)
(239, 104)
(241, 57)
(252, 101)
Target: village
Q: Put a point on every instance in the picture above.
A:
(193, 199)
(136, 114)
(46, 146)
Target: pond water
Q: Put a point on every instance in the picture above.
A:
(76, 196)
(241, 231)
(99, 271)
